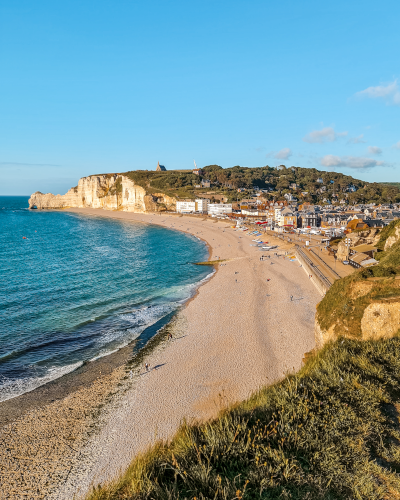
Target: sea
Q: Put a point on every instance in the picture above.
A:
(75, 287)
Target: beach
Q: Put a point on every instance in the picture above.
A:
(248, 325)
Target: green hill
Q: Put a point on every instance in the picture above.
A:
(278, 180)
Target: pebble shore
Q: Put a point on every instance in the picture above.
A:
(241, 331)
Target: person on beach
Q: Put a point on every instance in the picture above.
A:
(131, 374)
(291, 298)
(147, 366)
(170, 336)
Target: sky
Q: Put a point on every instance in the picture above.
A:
(89, 87)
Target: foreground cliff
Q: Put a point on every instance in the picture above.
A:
(107, 191)
(366, 304)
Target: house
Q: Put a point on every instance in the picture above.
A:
(206, 183)
(290, 197)
(197, 171)
(293, 185)
(320, 180)
(351, 188)
(287, 218)
(367, 250)
(219, 208)
(309, 219)
(358, 260)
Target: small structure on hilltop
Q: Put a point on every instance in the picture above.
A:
(196, 170)
(160, 168)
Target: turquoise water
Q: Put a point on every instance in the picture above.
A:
(81, 286)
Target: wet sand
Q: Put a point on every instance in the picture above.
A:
(240, 332)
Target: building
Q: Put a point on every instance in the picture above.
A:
(249, 211)
(186, 206)
(206, 183)
(310, 219)
(160, 168)
(219, 208)
(197, 171)
(192, 206)
(202, 205)
(289, 197)
(320, 180)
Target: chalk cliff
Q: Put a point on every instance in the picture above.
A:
(108, 191)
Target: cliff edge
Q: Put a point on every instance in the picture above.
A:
(107, 191)
(366, 304)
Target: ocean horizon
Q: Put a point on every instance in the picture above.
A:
(76, 287)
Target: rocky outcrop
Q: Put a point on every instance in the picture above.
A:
(392, 239)
(379, 321)
(107, 191)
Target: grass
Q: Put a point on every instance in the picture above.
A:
(344, 308)
(331, 431)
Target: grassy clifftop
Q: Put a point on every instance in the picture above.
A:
(331, 432)
(344, 305)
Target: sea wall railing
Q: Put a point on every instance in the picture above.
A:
(321, 282)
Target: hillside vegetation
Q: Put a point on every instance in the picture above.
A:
(330, 431)
(344, 304)
(181, 184)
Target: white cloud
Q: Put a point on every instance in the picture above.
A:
(283, 154)
(326, 134)
(397, 145)
(356, 140)
(374, 150)
(354, 162)
(389, 93)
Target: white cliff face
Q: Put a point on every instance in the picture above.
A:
(107, 191)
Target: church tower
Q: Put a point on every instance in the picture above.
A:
(160, 168)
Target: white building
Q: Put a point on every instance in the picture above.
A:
(186, 206)
(191, 206)
(248, 211)
(219, 208)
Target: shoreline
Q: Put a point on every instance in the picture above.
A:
(60, 387)
(196, 345)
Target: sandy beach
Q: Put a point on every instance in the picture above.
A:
(241, 331)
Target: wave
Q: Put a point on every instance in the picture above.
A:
(11, 388)
(111, 339)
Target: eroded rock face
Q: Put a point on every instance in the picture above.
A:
(108, 191)
(392, 239)
(380, 321)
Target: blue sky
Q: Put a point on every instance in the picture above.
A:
(99, 86)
